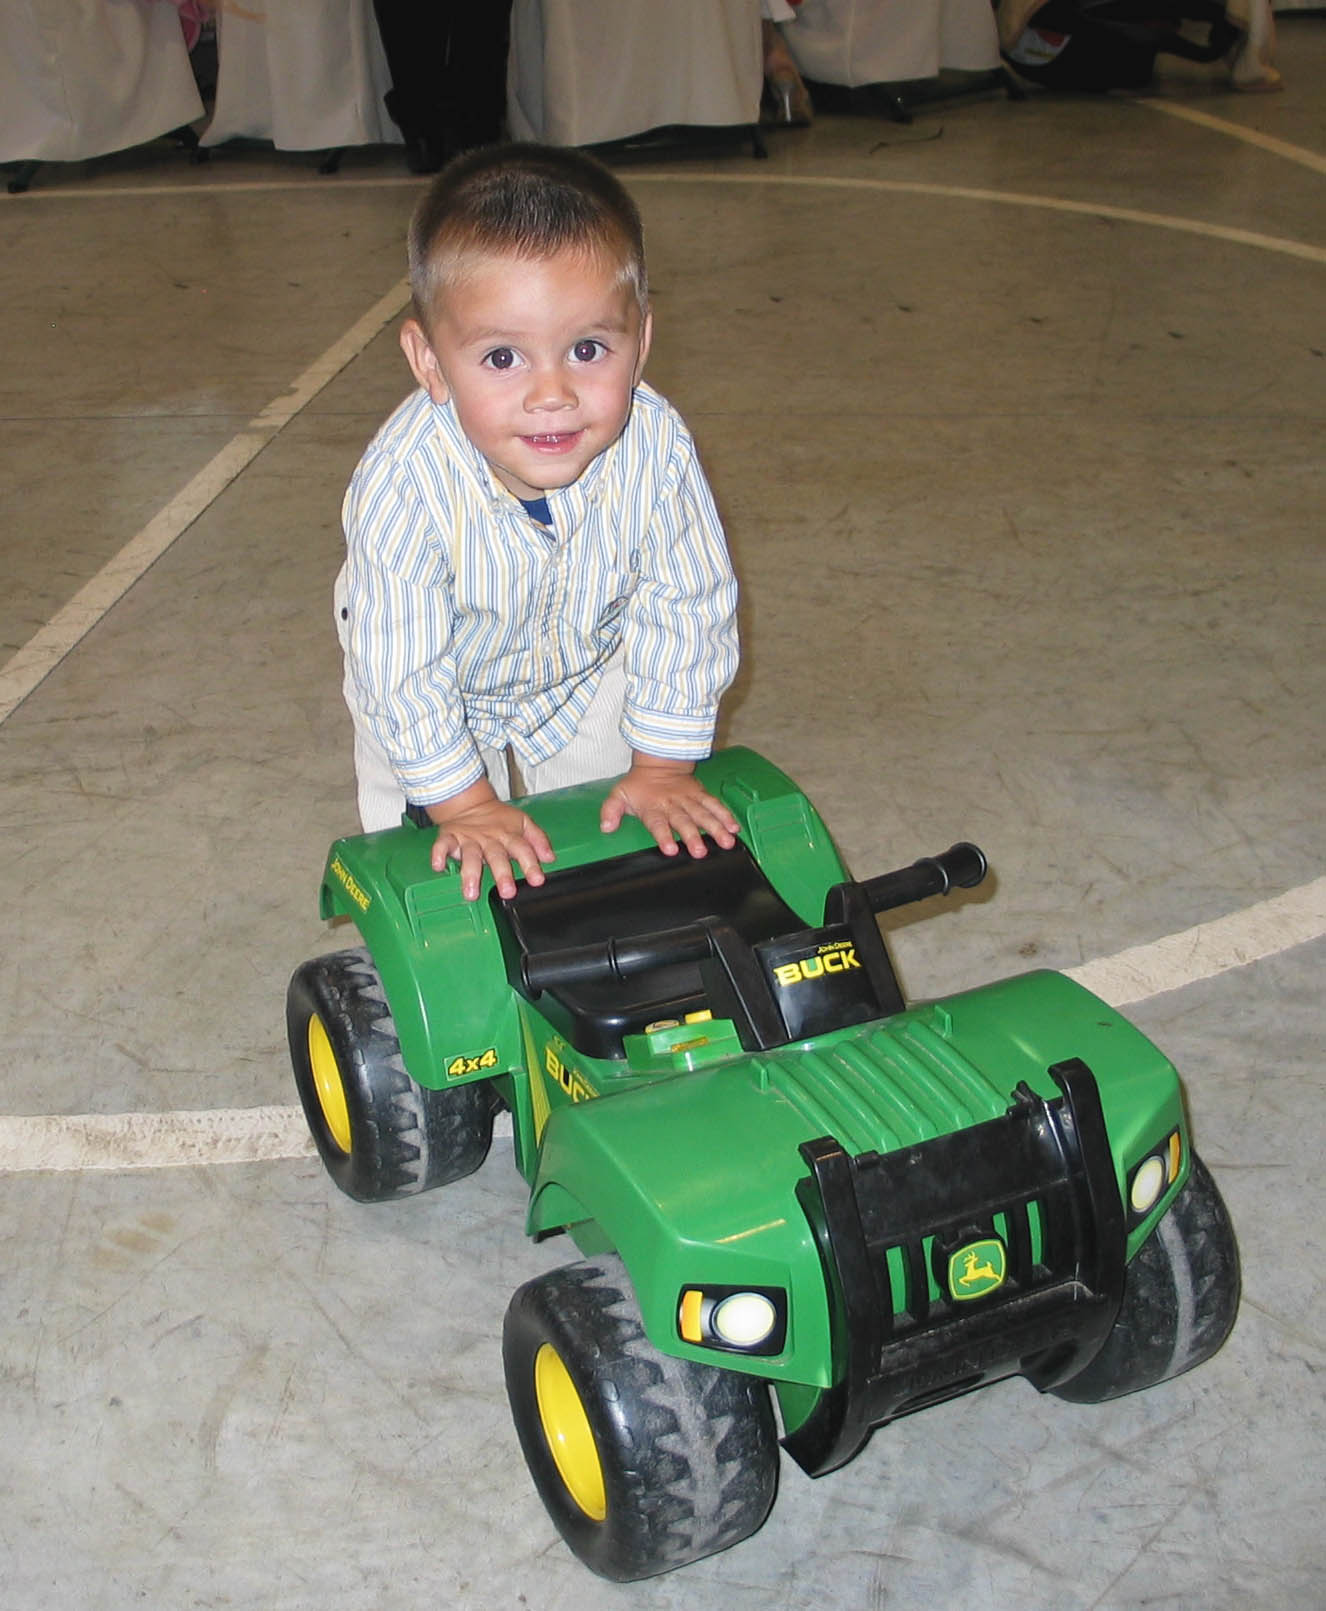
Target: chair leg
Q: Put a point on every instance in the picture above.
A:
(186, 139)
(889, 102)
(22, 177)
(1012, 89)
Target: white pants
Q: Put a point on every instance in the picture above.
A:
(597, 750)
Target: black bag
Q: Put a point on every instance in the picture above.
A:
(1099, 45)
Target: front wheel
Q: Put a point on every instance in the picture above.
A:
(379, 1132)
(645, 1462)
(1180, 1296)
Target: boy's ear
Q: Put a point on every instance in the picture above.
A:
(422, 360)
(646, 338)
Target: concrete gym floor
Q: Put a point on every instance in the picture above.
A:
(1015, 416)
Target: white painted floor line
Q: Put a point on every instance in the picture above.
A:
(152, 1140)
(316, 185)
(1012, 198)
(1238, 131)
(87, 1141)
(1227, 942)
(1283, 244)
(40, 655)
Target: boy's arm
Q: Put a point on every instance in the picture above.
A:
(396, 628)
(672, 803)
(680, 635)
(478, 830)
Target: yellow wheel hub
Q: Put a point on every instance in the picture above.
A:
(327, 1083)
(566, 1427)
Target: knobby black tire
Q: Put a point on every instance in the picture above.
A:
(404, 1137)
(1180, 1297)
(689, 1452)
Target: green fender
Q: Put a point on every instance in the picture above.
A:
(429, 946)
(654, 1174)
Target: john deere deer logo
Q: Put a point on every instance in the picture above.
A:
(977, 1269)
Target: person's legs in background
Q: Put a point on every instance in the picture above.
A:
(447, 60)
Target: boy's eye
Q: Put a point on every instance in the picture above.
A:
(585, 352)
(500, 358)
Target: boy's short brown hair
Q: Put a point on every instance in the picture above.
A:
(522, 200)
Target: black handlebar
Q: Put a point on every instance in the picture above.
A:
(961, 866)
(617, 959)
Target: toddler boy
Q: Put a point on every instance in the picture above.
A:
(533, 558)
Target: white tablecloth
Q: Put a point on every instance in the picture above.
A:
(854, 42)
(582, 72)
(79, 78)
(308, 75)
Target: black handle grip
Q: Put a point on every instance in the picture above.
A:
(961, 866)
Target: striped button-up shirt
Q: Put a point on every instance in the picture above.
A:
(467, 622)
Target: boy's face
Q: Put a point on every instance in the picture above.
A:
(539, 357)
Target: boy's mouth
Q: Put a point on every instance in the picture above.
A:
(553, 441)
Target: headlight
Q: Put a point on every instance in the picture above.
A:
(735, 1320)
(1153, 1177)
(1148, 1184)
(744, 1320)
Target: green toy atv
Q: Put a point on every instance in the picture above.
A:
(779, 1175)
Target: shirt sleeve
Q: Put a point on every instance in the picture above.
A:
(680, 631)
(398, 644)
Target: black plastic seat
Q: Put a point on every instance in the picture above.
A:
(623, 898)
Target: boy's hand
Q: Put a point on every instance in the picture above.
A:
(672, 804)
(477, 829)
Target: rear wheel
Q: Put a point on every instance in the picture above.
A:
(379, 1132)
(1180, 1296)
(645, 1462)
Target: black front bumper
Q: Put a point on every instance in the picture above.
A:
(897, 1347)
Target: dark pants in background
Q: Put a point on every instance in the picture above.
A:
(447, 60)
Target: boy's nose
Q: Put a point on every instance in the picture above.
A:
(550, 388)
